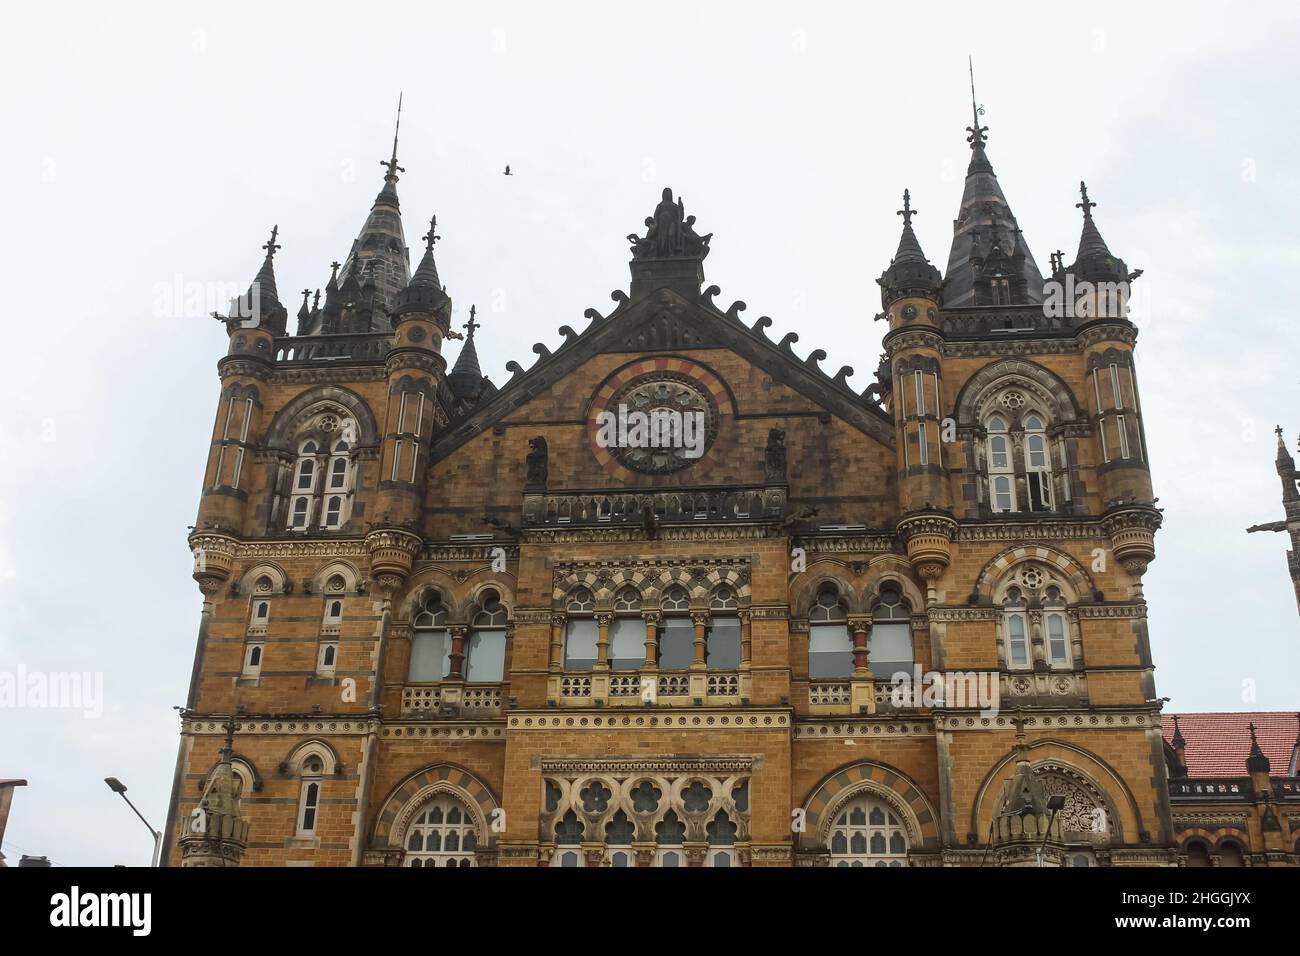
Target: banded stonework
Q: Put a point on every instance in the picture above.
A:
(445, 623)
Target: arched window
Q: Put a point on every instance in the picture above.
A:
(618, 840)
(723, 638)
(889, 648)
(1056, 628)
(1198, 853)
(722, 841)
(442, 834)
(582, 634)
(1038, 464)
(677, 632)
(309, 795)
(1015, 624)
(670, 837)
(430, 646)
(867, 832)
(485, 660)
(1002, 482)
(830, 646)
(304, 486)
(1230, 854)
(322, 480)
(627, 632)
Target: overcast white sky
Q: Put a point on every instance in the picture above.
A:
(157, 147)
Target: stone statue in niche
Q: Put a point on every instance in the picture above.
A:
(670, 233)
(535, 479)
(774, 457)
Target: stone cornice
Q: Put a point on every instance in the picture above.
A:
(1056, 529)
(333, 375)
(863, 728)
(1120, 718)
(697, 718)
(718, 765)
(694, 533)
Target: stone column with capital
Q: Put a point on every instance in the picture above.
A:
(862, 685)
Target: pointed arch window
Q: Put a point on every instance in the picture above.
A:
(582, 633)
(442, 834)
(677, 637)
(889, 648)
(1015, 624)
(1038, 464)
(430, 646)
(670, 837)
(723, 637)
(309, 795)
(1002, 481)
(627, 632)
(830, 646)
(867, 832)
(485, 659)
(1056, 628)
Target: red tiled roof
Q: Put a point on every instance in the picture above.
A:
(1218, 744)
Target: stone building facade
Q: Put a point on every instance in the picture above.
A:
(451, 623)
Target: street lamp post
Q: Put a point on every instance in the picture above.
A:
(118, 787)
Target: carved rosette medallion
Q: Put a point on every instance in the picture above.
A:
(658, 395)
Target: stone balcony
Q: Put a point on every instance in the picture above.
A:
(452, 699)
(650, 688)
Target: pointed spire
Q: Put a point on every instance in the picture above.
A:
(381, 244)
(1094, 261)
(424, 292)
(467, 362)
(1257, 762)
(1178, 739)
(987, 244)
(909, 270)
(389, 192)
(265, 279)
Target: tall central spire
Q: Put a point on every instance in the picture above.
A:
(379, 251)
(989, 262)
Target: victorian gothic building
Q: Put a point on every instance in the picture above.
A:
(670, 595)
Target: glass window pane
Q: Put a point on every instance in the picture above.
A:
(626, 643)
(830, 651)
(723, 647)
(429, 656)
(889, 649)
(676, 644)
(580, 644)
(486, 659)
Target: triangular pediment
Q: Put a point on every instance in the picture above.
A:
(664, 320)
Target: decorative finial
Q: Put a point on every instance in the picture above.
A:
(907, 212)
(393, 168)
(432, 235)
(271, 246)
(976, 137)
(1086, 206)
(315, 302)
(471, 325)
(1278, 432)
(306, 293)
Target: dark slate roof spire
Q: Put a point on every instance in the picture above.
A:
(909, 270)
(424, 292)
(467, 361)
(265, 280)
(1257, 762)
(389, 192)
(987, 241)
(380, 247)
(1094, 261)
